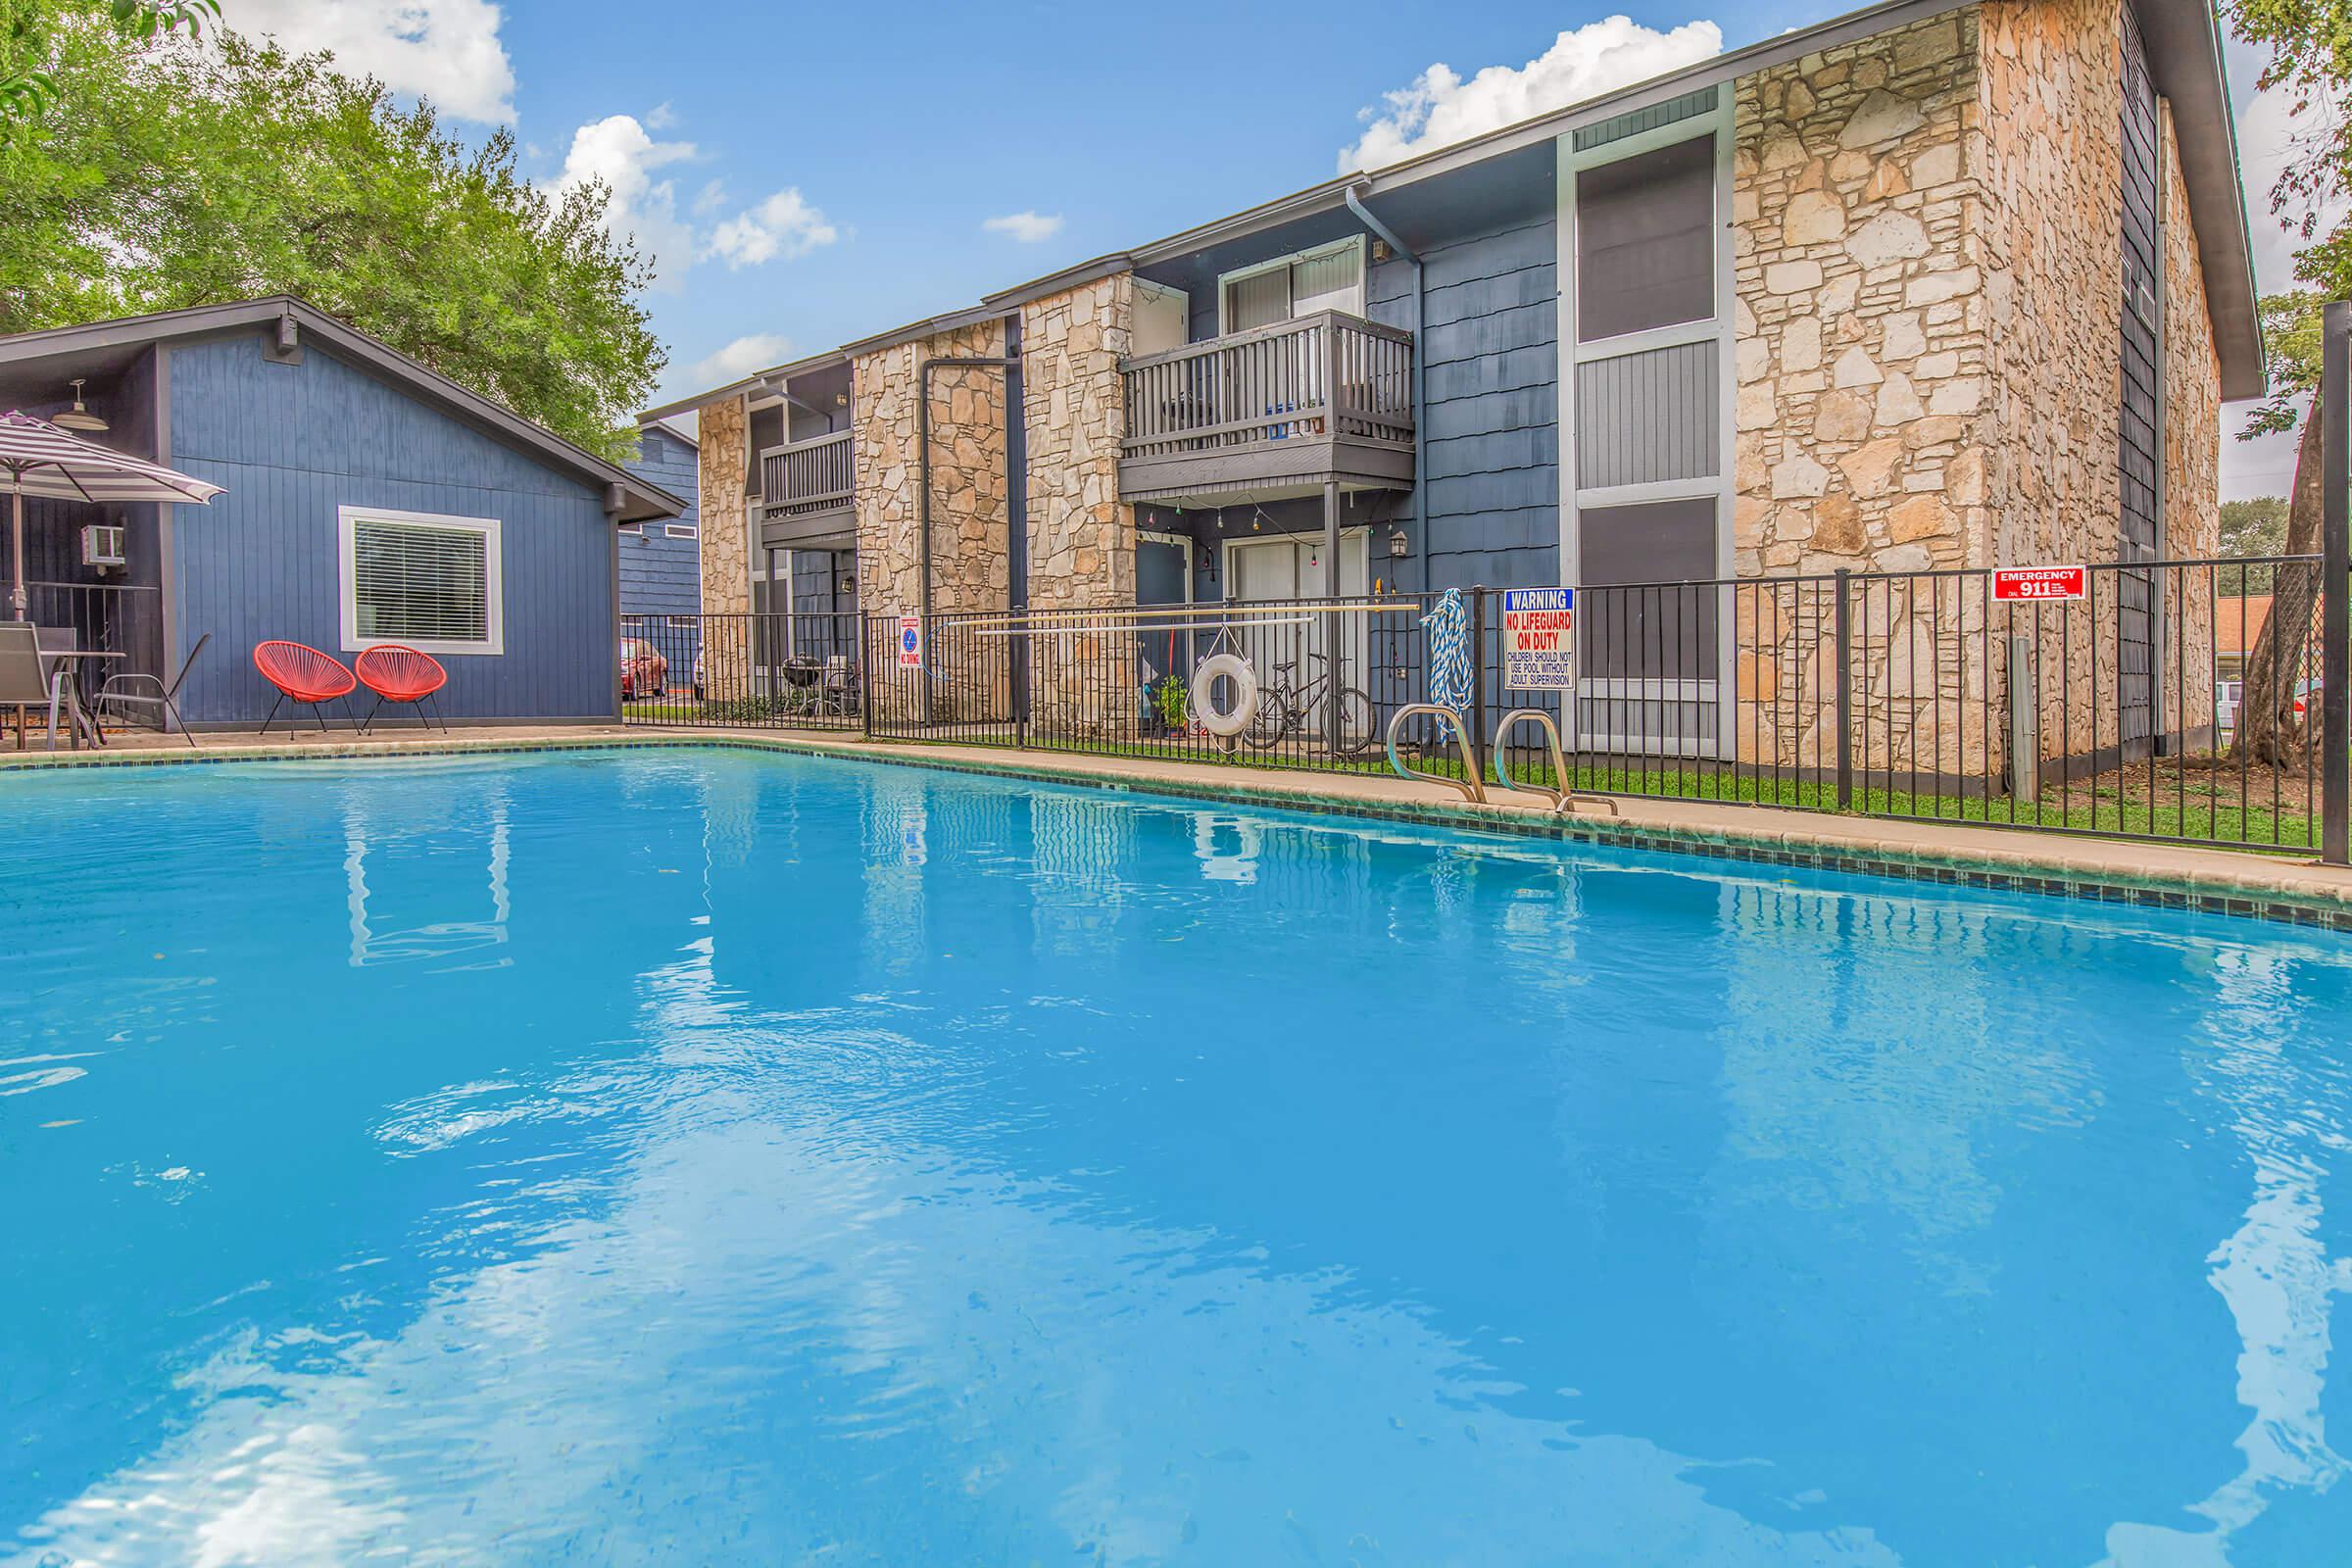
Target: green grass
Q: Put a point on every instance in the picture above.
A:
(2182, 807)
(2206, 806)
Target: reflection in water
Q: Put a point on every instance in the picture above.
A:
(432, 939)
(871, 1165)
(1843, 1091)
(2274, 1271)
(1227, 847)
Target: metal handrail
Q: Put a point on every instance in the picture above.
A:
(1562, 798)
(1470, 786)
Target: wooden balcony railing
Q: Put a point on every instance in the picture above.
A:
(1318, 376)
(808, 477)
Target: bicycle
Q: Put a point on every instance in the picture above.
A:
(1284, 708)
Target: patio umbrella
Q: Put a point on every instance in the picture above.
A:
(38, 459)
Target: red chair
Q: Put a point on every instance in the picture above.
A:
(398, 675)
(302, 674)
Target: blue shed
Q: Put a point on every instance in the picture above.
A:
(368, 499)
(660, 562)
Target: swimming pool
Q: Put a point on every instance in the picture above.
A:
(709, 1156)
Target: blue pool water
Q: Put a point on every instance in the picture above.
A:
(709, 1157)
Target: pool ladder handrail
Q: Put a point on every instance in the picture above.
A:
(1560, 799)
(1470, 786)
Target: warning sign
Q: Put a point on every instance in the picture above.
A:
(1537, 650)
(2037, 584)
(910, 642)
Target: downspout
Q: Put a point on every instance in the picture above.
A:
(1011, 364)
(1364, 215)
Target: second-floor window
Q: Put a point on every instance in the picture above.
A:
(1329, 277)
(1646, 241)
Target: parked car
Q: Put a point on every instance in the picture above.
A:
(644, 673)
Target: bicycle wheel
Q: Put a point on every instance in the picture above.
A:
(1271, 722)
(1360, 730)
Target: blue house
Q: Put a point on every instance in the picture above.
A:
(368, 499)
(660, 562)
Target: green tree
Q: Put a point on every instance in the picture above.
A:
(168, 175)
(2252, 527)
(2310, 63)
(27, 35)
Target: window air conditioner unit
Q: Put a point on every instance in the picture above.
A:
(102, 544)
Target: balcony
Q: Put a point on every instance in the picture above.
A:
(1280, 410)
(806, 490)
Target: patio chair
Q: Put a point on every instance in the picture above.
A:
(27, 679)
(302, 675)
(400, 674)
(138, 691)
(839, 691)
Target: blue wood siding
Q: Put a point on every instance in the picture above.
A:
(294, 442)
(662, 572)
(1490, 351)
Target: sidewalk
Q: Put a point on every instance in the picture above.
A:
(2277, 887)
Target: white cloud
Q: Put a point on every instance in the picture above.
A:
(1028, 227)
(1439, 108)
(445, 50)
(618, 150)
(740, 359)
(661, 117)
(784, 225)
(2271, 136)
(711, 197)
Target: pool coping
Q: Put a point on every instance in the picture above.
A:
(2293, 892)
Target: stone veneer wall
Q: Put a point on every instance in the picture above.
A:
(722, 429)
(2193, 453)
(970, 569)
(2051, 162)
(1861, 355)
(1862, 427)
(1929, 278)
(1081, 537)
(723, 434)
(2052, 156)
(2193, 429)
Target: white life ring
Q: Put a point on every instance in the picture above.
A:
(1228, 722)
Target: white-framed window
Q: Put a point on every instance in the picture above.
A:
(636, 529)
(683, 622)
(432, 581)
(1329, 277)
(679, 530)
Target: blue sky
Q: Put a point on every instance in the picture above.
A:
(809, 174)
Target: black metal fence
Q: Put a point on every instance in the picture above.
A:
(765, 671)
(1924, 696)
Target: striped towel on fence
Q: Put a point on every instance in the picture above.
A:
(1447, 624)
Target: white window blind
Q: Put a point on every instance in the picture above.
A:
(428, 581)
(1331, 282)
(1327, 279)
(1259, 300)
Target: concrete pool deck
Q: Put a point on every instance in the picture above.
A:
(2277, 887)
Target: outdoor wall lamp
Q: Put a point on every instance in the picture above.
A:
(1399, 546)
